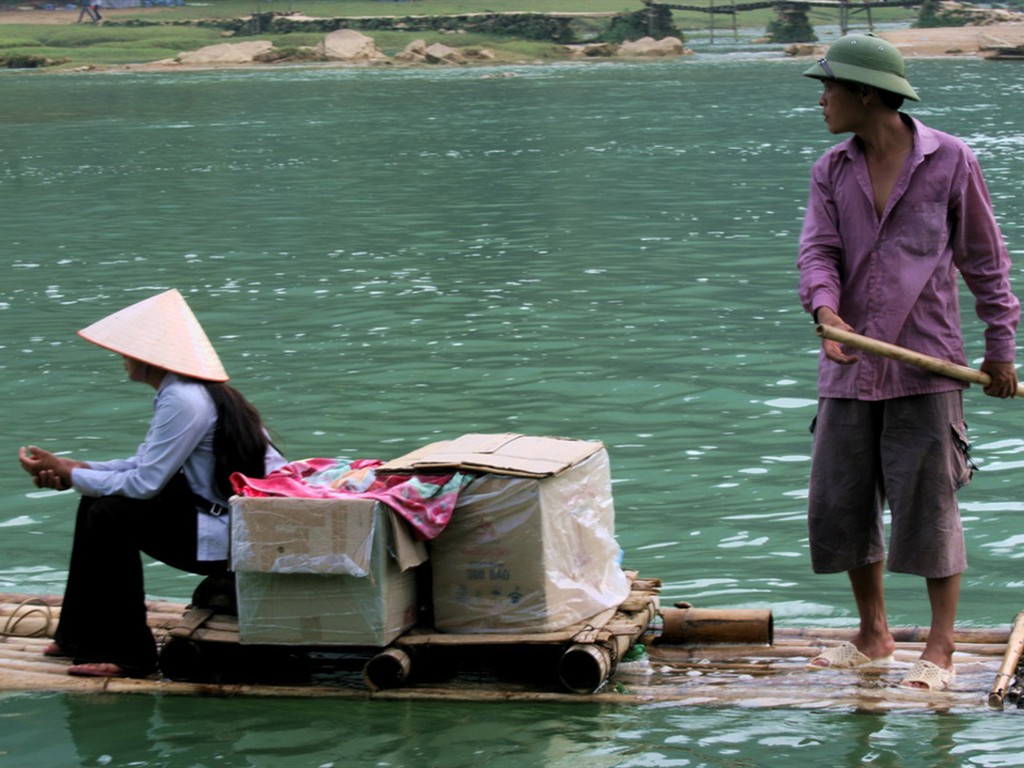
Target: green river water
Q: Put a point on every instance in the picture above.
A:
(387, 258)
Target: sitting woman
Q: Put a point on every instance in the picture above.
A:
(169, 500)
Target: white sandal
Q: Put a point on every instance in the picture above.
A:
(934, 677)
(846, 655)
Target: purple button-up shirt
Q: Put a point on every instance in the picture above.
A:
(894, 278)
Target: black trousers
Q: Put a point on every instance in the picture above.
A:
(103, 616)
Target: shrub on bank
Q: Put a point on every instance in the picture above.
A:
(27, 61)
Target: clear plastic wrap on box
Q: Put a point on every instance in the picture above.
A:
(525, 554)
(319, 572)
(311, 609)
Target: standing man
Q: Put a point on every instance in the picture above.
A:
(86, 10)
(896, 214)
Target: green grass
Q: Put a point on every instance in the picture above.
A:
(81, 45)
(234, 8)
(94, 46)
(74, 48)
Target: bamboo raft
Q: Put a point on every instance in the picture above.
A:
(720, 659)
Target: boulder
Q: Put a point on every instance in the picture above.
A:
(803, 49)
(648, 46)
(227, 53)
(594, 50)
(349, 45)
(414, 53)
(439, 53)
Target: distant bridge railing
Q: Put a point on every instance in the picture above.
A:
(710, 7)
(786, 9)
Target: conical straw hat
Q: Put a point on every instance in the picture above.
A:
(161, 331)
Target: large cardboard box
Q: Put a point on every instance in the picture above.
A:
(320, 572)
(531, 545)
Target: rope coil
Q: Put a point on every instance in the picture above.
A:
(34, 608)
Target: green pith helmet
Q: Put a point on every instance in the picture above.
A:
(865, 59)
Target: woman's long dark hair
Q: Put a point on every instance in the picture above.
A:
(239, 441)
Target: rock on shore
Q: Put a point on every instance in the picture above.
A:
(645, 47)
(352, 46)
(648, 46)
(227, 53)
(349, 45)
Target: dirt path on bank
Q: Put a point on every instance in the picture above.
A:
(64, 16)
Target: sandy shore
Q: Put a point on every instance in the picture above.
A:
(951, 41)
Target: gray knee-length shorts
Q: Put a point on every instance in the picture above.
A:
(909, 452)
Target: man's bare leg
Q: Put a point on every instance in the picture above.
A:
(944, 595)
(873, 638)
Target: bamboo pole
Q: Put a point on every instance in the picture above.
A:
(703, 626)
(914, 634)
(17, 598)
(933, 364)
(1014, 648)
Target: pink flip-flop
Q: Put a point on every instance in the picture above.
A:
(54, 650)
(97, 669)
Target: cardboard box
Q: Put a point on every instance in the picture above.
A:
(321, 572)
(531, 545)
(503, 454)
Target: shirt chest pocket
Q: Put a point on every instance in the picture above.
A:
(920, 229)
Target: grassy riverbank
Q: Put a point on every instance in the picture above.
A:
(26, 31)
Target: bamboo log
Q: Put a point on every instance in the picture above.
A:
(156, 618)
(16, 598)
(34, 681)
(153, 606)
(933, 364)
(37, 664)
(388, 669)
(216, 635)
(726, 653)
(974, 649)
(38, 615)
(227, 627)
(647, 585)
(1004, 678)
(700, 626)
(186, 626)
(8, 651)
(13, 609)
(636, 601)
(914, 634)
(586, 665)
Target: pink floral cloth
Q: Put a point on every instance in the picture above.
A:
(424, 501)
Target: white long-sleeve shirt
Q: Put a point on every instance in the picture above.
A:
(180, 437)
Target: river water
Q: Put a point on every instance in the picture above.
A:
(388, 258)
